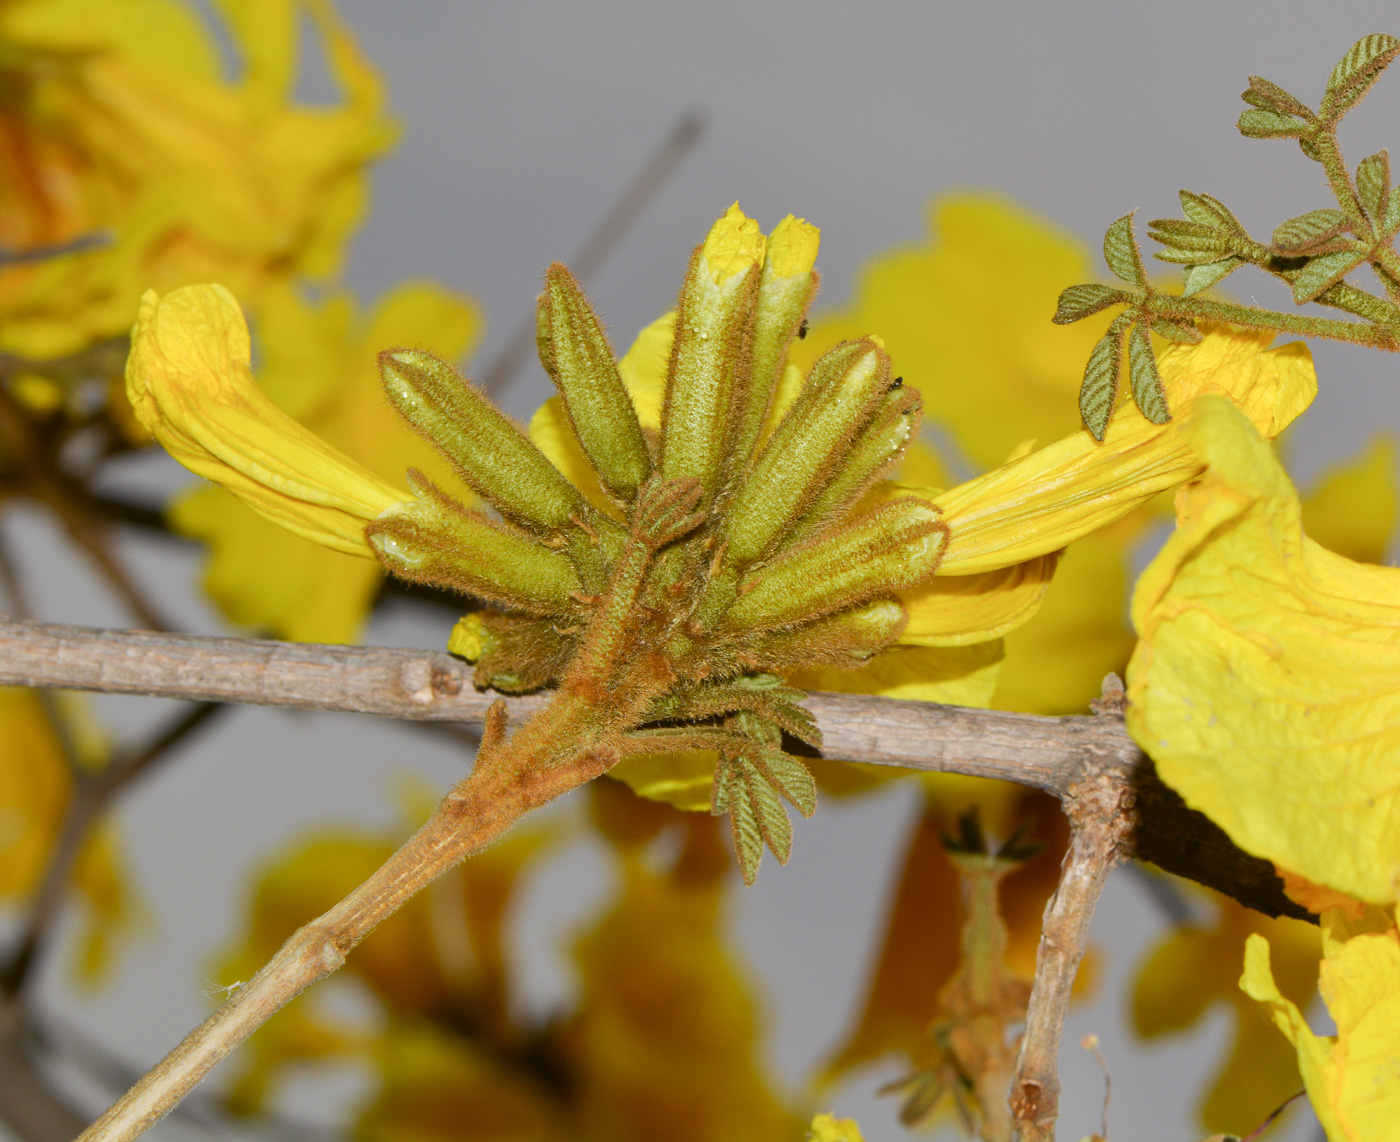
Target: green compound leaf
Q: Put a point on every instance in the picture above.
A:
(1258, 124)
(790, 778)
(1360, 68)
(1181, 334)
(1373, 184)
(1308, 231)
(768, 810)
(1144, 378)
(1324, 271)
(1120, 251)
(743, 825)
(1100, 385)
(1080, 301)
(1271, 97)
(1202, 277)
(1209, 210)
(1189, 241)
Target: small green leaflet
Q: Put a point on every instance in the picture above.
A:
(1120, 251)
(1360, 68)
(1145, 380)
(1101, 378)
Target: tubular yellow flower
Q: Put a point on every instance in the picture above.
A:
(190, 382)
(1266, 685)
(1048, 499)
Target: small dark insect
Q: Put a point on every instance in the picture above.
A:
(802, 330)
(896, 383)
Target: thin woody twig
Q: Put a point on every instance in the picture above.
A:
(1046, 753)
(1099, 809)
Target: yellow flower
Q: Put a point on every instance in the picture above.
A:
(318, 366)
(118, 126)
(190, 382)
(1353, 1077)
(1265, 683)
(35, 787)
(1051, 497)
(829, 1128)
(1193, 969)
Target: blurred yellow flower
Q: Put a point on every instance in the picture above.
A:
(829, 1128)
(318, 365)
(1265, 683)
(35, 787)
(190, 381)
(660, 1042)
(1353, 1077)
(1191, 969)
(118, 127)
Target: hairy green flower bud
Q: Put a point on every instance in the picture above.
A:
(895, 546)
(486, 447)
(785, 290)
(839, 397)
(846, 639)
(576, 354)
(710, 355)
(435, 540)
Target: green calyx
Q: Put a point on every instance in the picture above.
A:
(727, 550)
(1313, 252)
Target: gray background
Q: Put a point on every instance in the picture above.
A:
(523, 121)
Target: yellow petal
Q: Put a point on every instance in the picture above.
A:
(1068, 489)
(734, 245)
(190, 382)
(829, 1128)
(1352, 1079)
(792, 247)
(961, 609)
(1193, 970)
(1266, 685)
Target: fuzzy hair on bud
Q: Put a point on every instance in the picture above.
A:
(489, 451)
(581, 363)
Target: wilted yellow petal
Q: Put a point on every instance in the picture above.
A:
(1077, 485)
(190, 382)
(1353, 1078)
(1192, 969)
(1266, 685)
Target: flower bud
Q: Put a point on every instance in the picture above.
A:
(576, 354)
(436, 541)
(895, 546)
(489, 451)
(838, 398)
(879, 446)
(710, 355)
(846, 639)
(785, 290)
